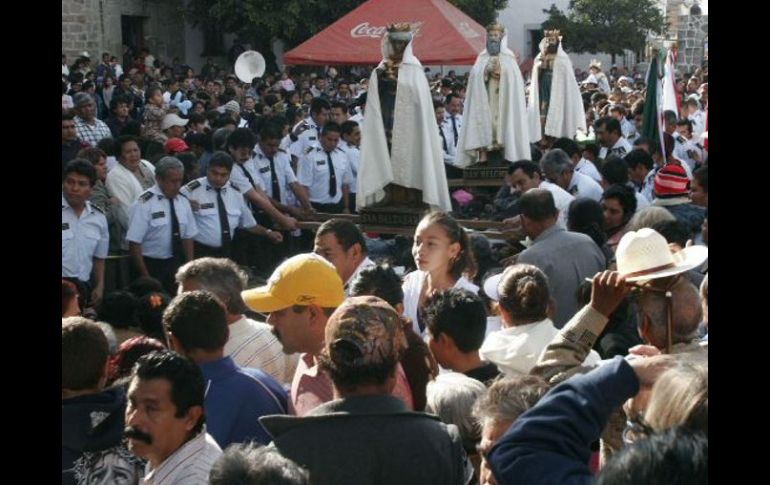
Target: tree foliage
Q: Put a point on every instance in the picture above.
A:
(610, 26)
(295, 21)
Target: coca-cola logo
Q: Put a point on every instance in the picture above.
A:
(376, 31)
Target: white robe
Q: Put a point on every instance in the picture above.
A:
(416, 155)
(512, 132)
(565, 111)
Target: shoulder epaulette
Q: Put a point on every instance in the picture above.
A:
(183, 195)
(235, 187)
(193, 185)
(97, 208)
(282, 150)
(146, 196)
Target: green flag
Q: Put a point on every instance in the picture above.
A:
(651, 122)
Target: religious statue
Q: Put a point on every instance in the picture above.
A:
(555, 106)
(401, 159)
(495, 107)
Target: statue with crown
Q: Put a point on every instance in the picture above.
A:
(495, 114)
(401, 169)
(555, 107)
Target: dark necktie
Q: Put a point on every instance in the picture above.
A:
(454, 128)
(251, 181)
(176, 239)
(332, 176)
(274, 181)
(224, 224)
(443, 139)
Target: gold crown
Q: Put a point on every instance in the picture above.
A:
(595, 63)
(496, 26)
(400, 27)
(553, 34)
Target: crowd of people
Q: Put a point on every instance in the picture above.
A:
(208, 338)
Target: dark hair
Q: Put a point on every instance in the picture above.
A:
(118, 308)
(538, 205)
(151, 92)
(319, 104)
(185, 377)
(592, 148)
(347, 127)
(143, 285)
(82, 167)
(340, 104)
(123, 140)
(254, 463)
(198, 320)
(133, 128)
(107, 145)
(199, 139)
(676, 456)
(702, 176)
(345, 231)
(150, 310)
(685, 122)
(464, 264)
(615, 170)
(92, 154)
(458, 313)
(528, 167)
(535, 153)
(196, 118)
(380, 281)
(330, 127)
(221, 159)
(241, 137)
(625, 197)
(119, 99)
(669, 116)
(67, 116)
(569, 146)
(610, 124)
(586, 216)
(674, 231)
(524, 292)
(84, 351)
(635, 157)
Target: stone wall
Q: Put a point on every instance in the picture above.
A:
(692, 33)
(95, 26)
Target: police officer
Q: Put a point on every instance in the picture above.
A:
(325, 172)
(161, 226)
(85, 238)
(278, 179)
(308, 132)
(350, 132)
(219, 207)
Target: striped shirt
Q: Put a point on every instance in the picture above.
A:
(188, 465)
(252, 344)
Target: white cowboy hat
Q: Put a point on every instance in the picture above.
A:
(644, 255)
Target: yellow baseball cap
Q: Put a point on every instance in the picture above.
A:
(305, 279)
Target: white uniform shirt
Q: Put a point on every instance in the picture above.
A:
(149, 223)
(448, 124)
(307, 138)
(620, 148)
(82, 239)
(239, 178)
(587, 167)
(584, 186)
(207, 215)
(283, 170)
(448, 142)
(353, 153)
(313, 172)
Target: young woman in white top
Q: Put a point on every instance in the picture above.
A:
(444, 260)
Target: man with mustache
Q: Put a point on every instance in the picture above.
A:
(165, 420)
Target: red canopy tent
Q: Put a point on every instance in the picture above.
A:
(444, 35)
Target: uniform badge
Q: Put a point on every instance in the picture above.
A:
(209, 205)
(194, 185)
(158, 215)
(65, 226)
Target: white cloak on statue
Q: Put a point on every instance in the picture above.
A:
(512, 132)
(565, 111)
(415, 160)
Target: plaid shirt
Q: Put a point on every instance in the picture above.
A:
(91, 134)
